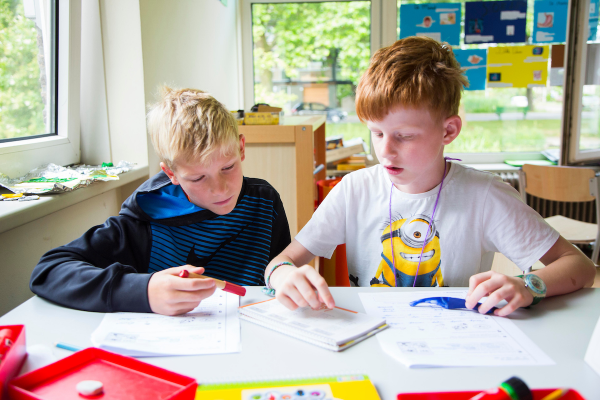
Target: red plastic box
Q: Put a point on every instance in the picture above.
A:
(15, 357)
(538, 394)
(123, 378)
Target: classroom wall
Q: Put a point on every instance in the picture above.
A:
(190, 43)
(113, 128)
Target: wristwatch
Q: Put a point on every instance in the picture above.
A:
(536, 287)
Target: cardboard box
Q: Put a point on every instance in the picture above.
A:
(262, 118)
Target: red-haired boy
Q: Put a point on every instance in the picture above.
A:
(417, 219)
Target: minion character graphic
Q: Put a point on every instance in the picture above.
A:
(409, 235)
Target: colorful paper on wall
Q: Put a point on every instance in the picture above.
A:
(593, 19)
(518, 66)
(550, 21)
(495, 21)
(475, 64)
(440, 21)
(557, 65)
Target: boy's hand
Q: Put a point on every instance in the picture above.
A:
(295, 287)
(169, 294)
(497, 287)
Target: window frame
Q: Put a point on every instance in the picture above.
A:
(575, 70)
(20, 156)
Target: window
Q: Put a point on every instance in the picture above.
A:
(501, 119)
(39, 84)
(581, 125)
(500, 122)
(27, 73)
(307, 58)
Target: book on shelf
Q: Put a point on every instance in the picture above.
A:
(351, 147)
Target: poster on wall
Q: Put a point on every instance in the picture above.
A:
(495, 21)
(440, 21)
(593, 19)
(557, 65)
(474, 63)
(550, 21)
(518, 66)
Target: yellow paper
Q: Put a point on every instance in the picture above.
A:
(340, 387)
(518, 66)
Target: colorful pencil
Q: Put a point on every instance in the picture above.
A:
(223, 285)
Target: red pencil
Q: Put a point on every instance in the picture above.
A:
(223, 285)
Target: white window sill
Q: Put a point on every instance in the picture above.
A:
(16, 213)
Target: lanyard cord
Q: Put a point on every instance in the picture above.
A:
(428, 228)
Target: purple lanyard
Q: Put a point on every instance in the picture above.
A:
(428, 228)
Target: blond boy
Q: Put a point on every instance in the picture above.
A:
(446, 220)
(200, 213)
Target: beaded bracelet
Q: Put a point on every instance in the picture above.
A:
(269, 290)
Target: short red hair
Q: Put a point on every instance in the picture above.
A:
(413, 72)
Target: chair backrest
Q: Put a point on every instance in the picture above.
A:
(569, 184)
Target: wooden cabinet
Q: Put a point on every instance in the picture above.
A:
(286, 156)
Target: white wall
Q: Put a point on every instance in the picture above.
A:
(113, 128)
(190, 43)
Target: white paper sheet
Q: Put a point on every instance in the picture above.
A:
(428, 336)
(213, 327)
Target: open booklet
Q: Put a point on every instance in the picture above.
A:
(335, 329)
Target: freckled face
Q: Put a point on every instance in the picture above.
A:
(215, 186)
(409, 144)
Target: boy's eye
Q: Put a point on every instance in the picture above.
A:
(199, 179)
(228, 168)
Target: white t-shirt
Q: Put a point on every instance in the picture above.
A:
(477, 215)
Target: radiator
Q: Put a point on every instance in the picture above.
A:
(581, 211)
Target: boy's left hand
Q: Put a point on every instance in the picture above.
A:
(497, 287)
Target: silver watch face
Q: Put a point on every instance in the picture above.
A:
(535, 283)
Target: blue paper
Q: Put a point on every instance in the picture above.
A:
(474, 61)
(440, 21)
(495, 21)
(593, 19)
(550, 21)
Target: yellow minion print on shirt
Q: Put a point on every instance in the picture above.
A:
(409, 235)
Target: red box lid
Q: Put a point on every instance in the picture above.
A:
(122, 377)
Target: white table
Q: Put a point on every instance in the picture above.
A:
(561, 326)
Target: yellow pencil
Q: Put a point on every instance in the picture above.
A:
(557, 394)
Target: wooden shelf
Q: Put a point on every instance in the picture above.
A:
(285, 155)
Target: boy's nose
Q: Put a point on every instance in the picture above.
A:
(220, 186)
(388, 148)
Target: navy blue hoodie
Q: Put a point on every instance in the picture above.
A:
(108, 268)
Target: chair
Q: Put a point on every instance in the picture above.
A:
(565, 184)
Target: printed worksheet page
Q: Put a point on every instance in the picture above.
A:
(213, 327)
(431, 336)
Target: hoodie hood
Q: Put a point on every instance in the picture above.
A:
(159, 200)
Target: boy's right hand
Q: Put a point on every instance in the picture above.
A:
(168, 294)
(295, 287)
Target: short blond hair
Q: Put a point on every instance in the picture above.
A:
(413, 72)
(190, 125)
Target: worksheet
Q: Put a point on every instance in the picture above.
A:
(212, 327)
(431, 336)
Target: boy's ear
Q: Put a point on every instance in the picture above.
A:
(242, 147)
(169, 173)
(452, 127)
